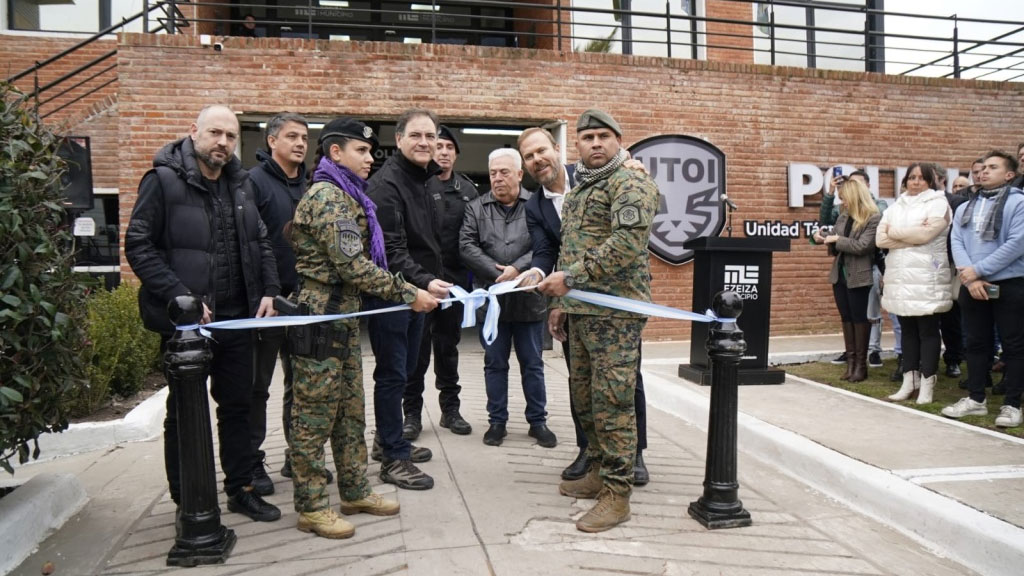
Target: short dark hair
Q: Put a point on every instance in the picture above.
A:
(415, 113)
(1008, 159)
(1019, 146)
(927, 172)
(278, 121)
(862, 174)
(979, 160)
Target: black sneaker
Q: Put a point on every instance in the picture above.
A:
(640, 475)
(578, 468)
(412, 428)
(953, 370)
(247, 502)
(841, 359)
(545, 437)
(456, 423)
(495, 435)
(875, 360)
(404, 474)
(897, 374)
(418, 454)
(261, 483)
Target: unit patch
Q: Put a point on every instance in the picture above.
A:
(350, 241)
(628, 216)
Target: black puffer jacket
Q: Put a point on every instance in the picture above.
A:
(277, 195)
(170, 242)
(450, 197)
(409, 218)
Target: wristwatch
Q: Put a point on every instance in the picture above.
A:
(569, 280)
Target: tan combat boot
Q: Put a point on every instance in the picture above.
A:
(587, 487)
(325, 523)
(371, 504)
(610, 511)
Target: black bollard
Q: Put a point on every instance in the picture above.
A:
(720, 506)
(200, 537)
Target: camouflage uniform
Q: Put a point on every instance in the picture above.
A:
(605, 229)
(331, 247)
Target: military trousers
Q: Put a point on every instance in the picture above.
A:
(604, 352)
(328, 403)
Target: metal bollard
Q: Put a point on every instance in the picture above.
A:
(200, 537)
(720, 506)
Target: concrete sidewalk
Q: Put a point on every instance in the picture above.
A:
(498, 511)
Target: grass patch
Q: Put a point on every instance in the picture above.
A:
(879, 386)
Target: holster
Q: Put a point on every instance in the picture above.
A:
(317, 341)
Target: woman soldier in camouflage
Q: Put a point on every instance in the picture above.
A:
(340, 253)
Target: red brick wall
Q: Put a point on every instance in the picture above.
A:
(729, 42)
(762, 118)
(19, 53)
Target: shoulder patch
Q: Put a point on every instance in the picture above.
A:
(350, 241)
(628, 215)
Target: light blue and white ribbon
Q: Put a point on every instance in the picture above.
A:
(471, 302)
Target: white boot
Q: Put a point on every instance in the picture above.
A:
(927, 389)
(911, 382)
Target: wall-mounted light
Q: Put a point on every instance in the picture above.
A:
(492, 131)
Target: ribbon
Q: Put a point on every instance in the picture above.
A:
(471, 302)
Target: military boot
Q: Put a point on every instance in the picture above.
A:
(326, 524)
(610, 511)
(587, 487)
(373, 504)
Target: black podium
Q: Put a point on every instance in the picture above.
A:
(743, 266)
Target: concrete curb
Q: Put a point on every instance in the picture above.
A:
(35, 510)
(144, 422)
(949, 528)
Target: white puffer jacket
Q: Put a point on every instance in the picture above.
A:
(918, 277)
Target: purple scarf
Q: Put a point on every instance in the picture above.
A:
(354, 186)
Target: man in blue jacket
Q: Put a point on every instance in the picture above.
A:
(988, 250)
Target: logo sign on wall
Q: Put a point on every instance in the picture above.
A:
(690, 174)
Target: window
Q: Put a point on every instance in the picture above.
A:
(86, 16)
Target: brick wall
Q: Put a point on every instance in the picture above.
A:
(761, 117)
(729, 42)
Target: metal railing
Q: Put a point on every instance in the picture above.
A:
(821, 34)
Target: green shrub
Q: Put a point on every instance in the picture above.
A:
(42, 301)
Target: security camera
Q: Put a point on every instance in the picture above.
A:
(217, 46)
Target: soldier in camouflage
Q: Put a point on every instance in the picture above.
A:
(606, 222)
(340, 254)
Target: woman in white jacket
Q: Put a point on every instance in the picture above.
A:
(917, 285)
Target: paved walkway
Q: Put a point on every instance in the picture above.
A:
(498, 511)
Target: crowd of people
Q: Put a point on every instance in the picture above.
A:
(336, 240)
(949, 268)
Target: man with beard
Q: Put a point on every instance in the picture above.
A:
(195, 230)
(606, 223)
(542, 160)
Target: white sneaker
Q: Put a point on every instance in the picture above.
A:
(1009, 417)
(965, 407)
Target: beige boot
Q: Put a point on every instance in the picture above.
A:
(587, 487)
(927, 390)
(610, 511)
(325, 523)
(372, 504)
(911, 382)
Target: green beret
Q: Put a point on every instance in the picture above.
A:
(595, 118)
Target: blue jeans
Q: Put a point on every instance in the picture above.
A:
(528, 338)
(395, 341)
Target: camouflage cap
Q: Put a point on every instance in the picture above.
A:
(348, 128)
(595, 118)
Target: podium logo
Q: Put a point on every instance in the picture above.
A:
(741, 280)
(690, 174)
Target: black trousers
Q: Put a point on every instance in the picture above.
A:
(639, 400)
(231, 388)
(951, 326)
(1005, 313)
(921, 344)
(442, 331)
(269, 344)
(852, 303)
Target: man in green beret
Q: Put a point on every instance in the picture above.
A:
(606, 223)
